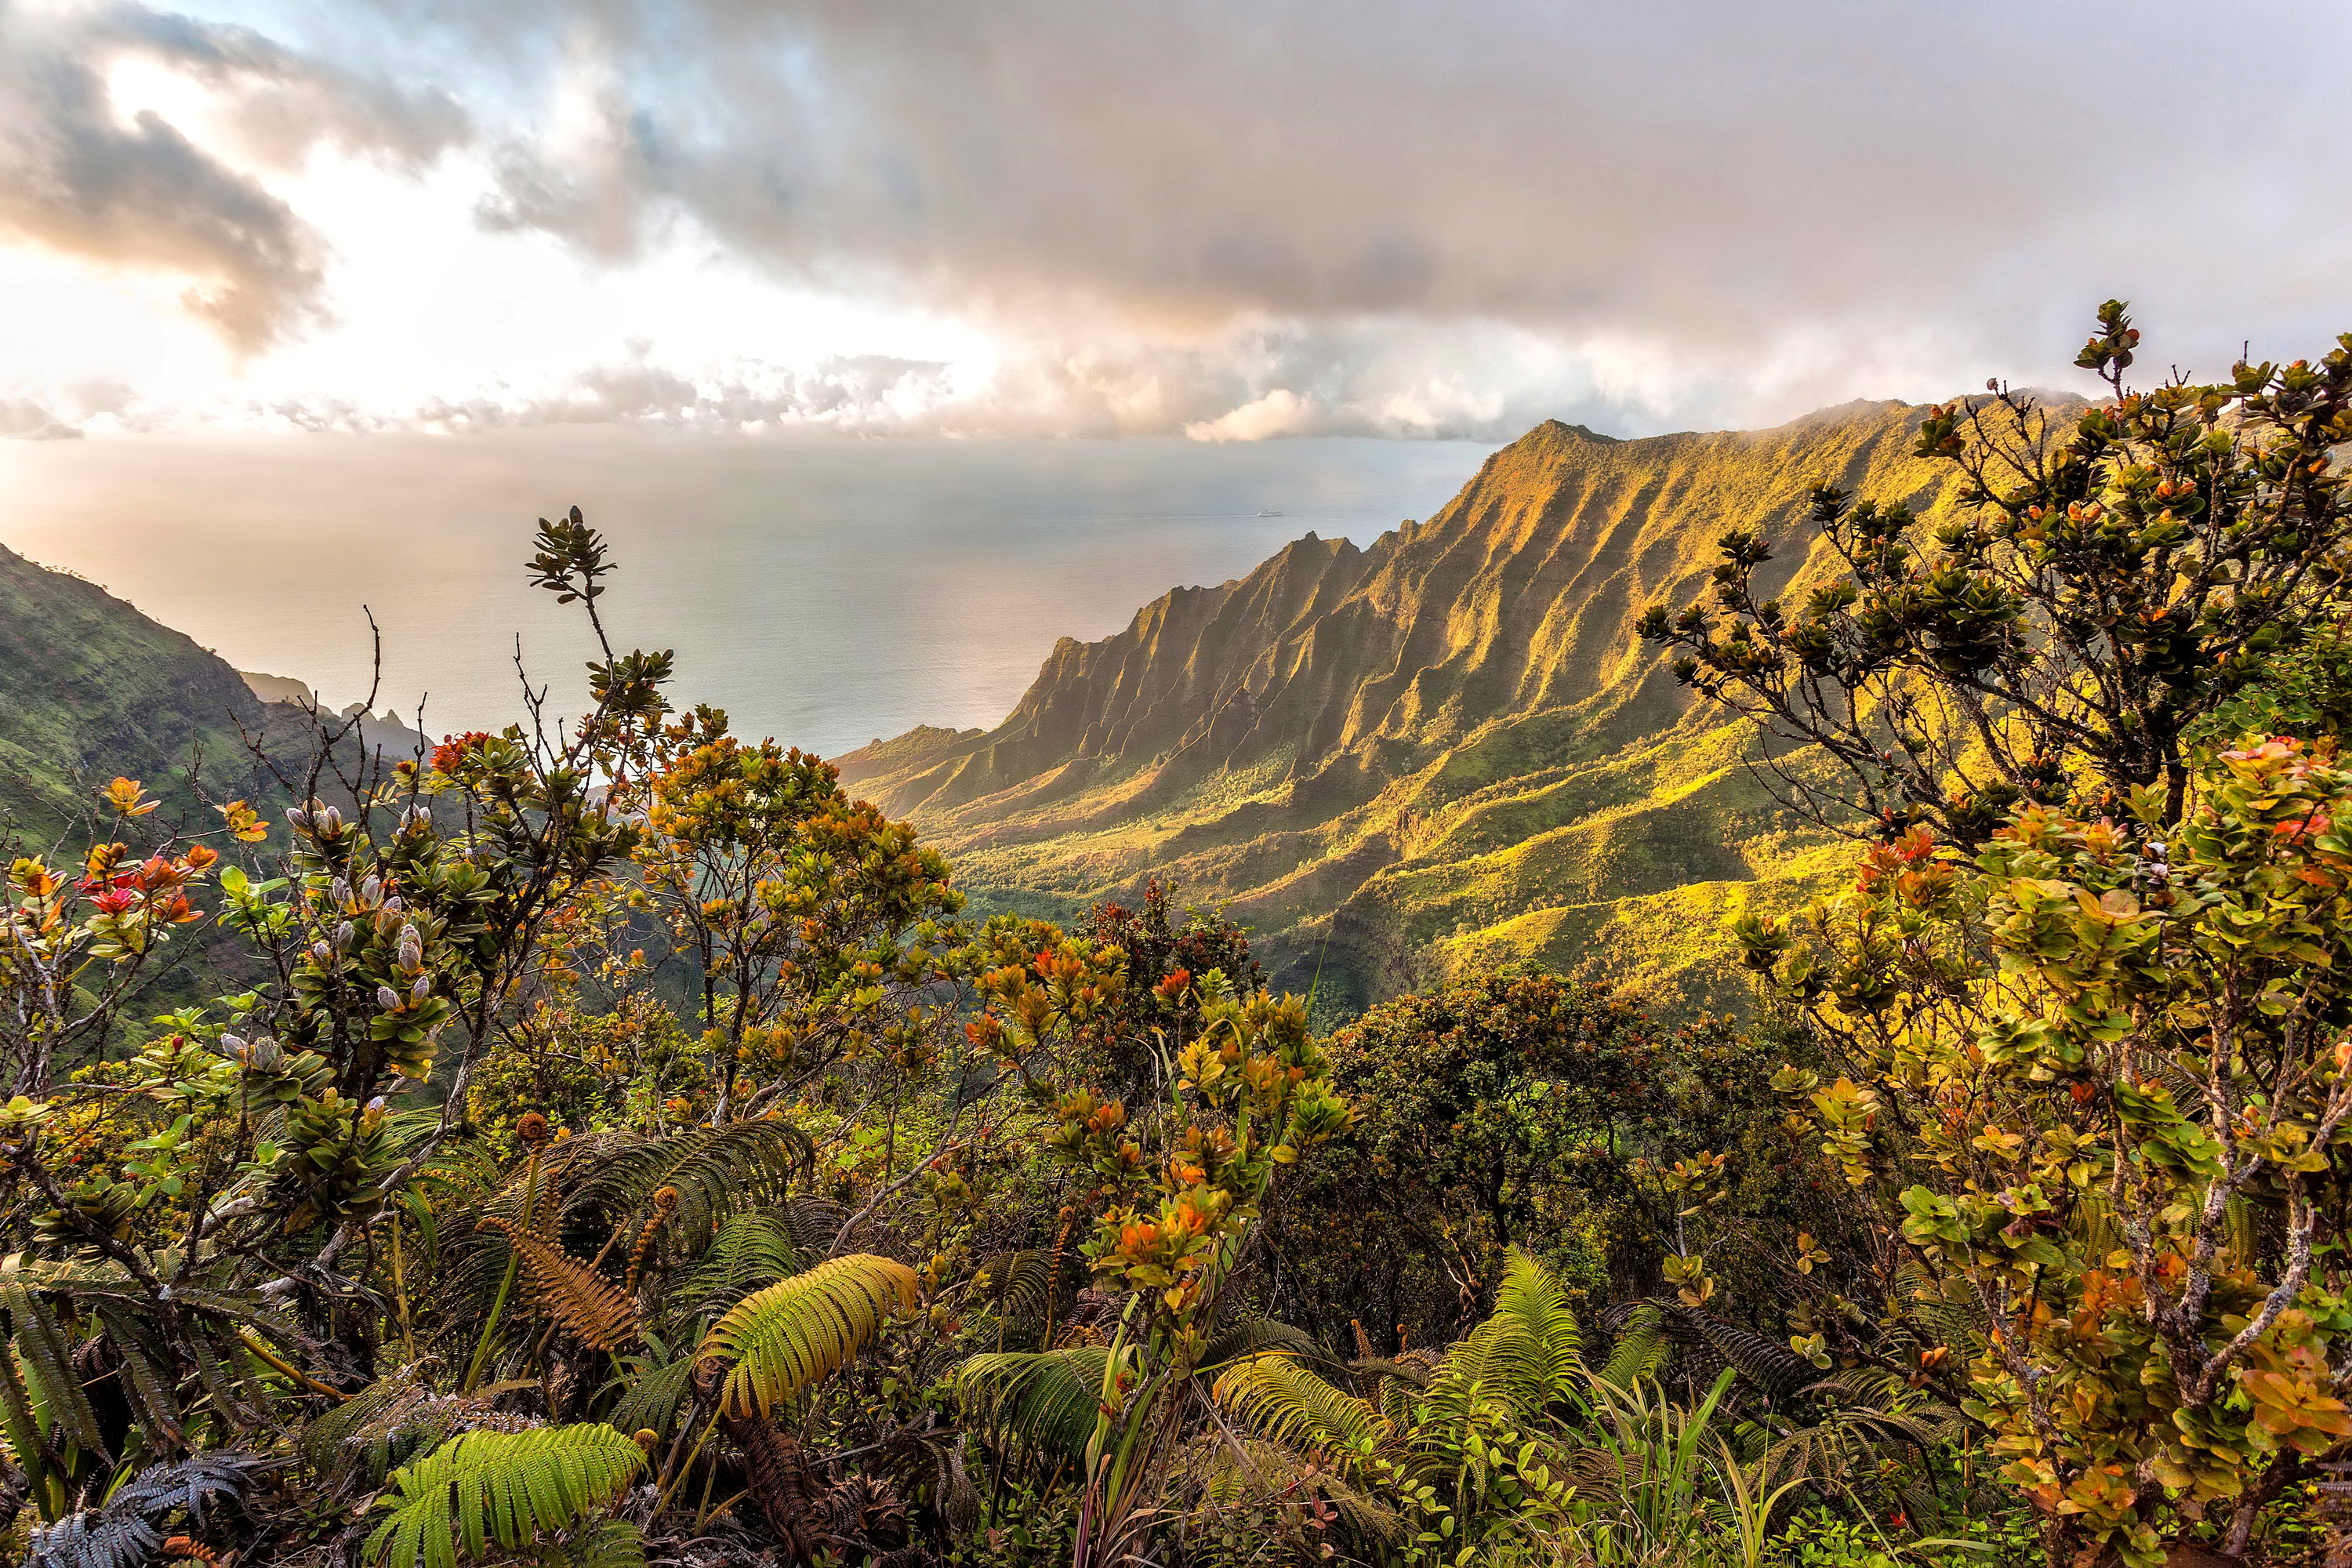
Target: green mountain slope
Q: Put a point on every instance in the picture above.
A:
(90, 688)
(1448, 749)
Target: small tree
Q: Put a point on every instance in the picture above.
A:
(2107, 582)
(813, 925)
(1480, 1100)
(2106, 1072)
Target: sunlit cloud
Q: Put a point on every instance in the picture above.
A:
(1234, 222)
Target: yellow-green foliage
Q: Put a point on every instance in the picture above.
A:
(1445, 750)
(503, 1486)
(799, 1331)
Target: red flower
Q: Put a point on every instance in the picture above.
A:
(451, 749)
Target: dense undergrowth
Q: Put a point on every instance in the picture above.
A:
(628, 1150)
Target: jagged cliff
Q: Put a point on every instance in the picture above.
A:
(1444, 750)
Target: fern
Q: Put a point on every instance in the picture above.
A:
(382, 1425)
(45, 1347)
(1285, 1403)
(1769, 1364)
(751, 1250)
(653, 1398)
(777, 1341)
(1254, 1336)
(608, 1544)
(717, 1172)
(506, 1486)
(588, 1307)
(96, 1539)
(1017, 1286)
(189, 1485)
(1049, 1399)
(1226, 1472)
(1641, 1346)
(1527, 1354)
(124, 1533)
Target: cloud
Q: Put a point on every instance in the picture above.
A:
(1235, 219)
(30, 419)
(133, 192)
(1714, 174)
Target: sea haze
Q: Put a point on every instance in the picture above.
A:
(825, 591)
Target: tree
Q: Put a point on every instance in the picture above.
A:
(1481, 1101)
(2109, 581)
(2106, 1072)
(812, 923)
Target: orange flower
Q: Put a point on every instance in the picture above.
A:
(245, 824)
(128, 798)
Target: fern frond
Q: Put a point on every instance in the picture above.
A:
(1015, 1284)
(1528, 1354)
(1049, 1399)
(751, 1250)
(1766, 1362)
(717, 1172)
(780, 1341)
(46, 1349)
(608, 1544)
(97, 1538)
(588, 1307)
(188, 1486)
(652, 1400)
(1226, 1472)
(506, 1486)
(1641, 1347)
(1282, 1401)
(1255, 1336)
(123, 1533)
(381, 1426)
(145, 1381)
(814, 1222)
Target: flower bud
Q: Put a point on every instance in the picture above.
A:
(333, 820)
(393, 906)
(386, 998)
(422, 988)
(371, 890)
(343, 934)
(412, 956)
(322, 952)
(232, 1045)
(340, 890)
(297, 817)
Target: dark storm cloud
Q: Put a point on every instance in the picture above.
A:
(77, 177)
(1721, 173)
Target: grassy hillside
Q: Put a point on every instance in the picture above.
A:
(1446, 749)
(90, 688)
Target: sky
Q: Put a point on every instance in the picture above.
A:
(1194, 219)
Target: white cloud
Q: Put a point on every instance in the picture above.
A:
(1235, 220)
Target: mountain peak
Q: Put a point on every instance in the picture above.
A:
(1555, 429)
(1448, 749)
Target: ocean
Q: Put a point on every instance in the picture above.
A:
(825, 591)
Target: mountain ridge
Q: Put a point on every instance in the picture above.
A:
(1445, 747)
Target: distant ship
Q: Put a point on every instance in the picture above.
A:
(1269, 514)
